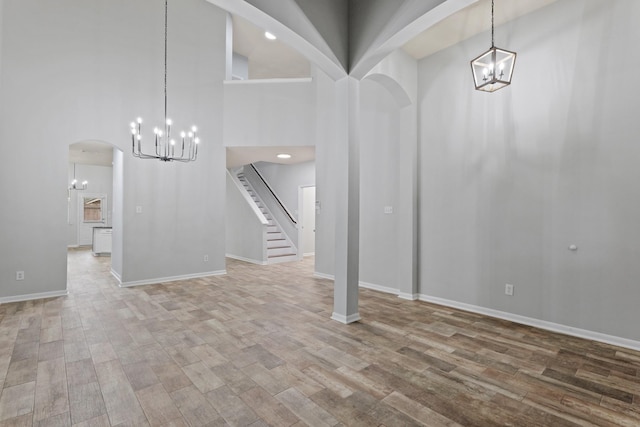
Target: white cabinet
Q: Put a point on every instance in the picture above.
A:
(101, 241)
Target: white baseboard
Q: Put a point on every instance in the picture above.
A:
(73, 246)
(410, 297)
(116, 275)
(309, 254)
(345, 319)
(252, 261)
(170, 279)
(322, 275)
(542, 324)
(378, 288)
(29, 297)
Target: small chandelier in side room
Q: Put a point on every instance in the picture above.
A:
(74, 183)
(166, 149)
(493, 69)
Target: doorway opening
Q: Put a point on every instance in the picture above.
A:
(307, 220)
(94, 210)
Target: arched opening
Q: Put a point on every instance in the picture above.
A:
(94, 210)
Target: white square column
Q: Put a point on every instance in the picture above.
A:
(347, 233)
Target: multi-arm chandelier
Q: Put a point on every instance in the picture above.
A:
(167, 149)
(493, 69)
(74, 183)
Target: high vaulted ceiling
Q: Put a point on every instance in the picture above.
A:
(276, 59)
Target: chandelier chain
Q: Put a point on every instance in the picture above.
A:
(165, 57)
(492, 43)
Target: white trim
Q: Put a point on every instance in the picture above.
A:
(323, 275)
(345, 319)
(73, 246)
(409, 297)
(378, 288)
(309, 254)
(116, 275)
(537, 323)
(29, 297)
(269, 81)
(171, 279)
(542, 324)
(240, 258)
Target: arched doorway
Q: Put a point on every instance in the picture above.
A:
(93, 208)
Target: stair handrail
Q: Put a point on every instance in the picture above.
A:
(245, 195)
(274, 194)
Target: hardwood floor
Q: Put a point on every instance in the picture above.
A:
(256, 347)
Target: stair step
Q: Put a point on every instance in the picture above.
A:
(280, 243)
(282, 250)
(282, 255)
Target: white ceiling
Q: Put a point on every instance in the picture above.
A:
(238, 156)
(273, 59)
(267, 58)
(467, 23)
(91, 153)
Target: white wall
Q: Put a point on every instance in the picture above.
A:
(100, 181)
(117, 235)
(77, 70)
(379, 184)
(244, 231)
(509, 180)
(326, 115)
(240, 67)
(269, 112)
(285, 180)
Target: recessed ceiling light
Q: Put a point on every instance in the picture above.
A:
(270, 36)
(284, 156)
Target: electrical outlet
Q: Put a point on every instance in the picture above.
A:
(508, 290)
(19, 275)
(206, 258)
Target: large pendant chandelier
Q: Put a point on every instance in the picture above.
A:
(167, 149)
(493, 69)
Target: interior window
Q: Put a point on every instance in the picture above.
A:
(92, 209)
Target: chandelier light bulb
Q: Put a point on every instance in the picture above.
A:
(139, 120)
(169, 122)
(194, 129)
(182, 134)
(197, 140)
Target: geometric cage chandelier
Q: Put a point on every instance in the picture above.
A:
(493, 69)
(166, 148)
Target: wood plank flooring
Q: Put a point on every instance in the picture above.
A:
(256, 347)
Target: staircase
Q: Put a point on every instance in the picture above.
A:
(279, 247)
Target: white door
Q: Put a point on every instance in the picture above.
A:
(308, 220)
(92, 212)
